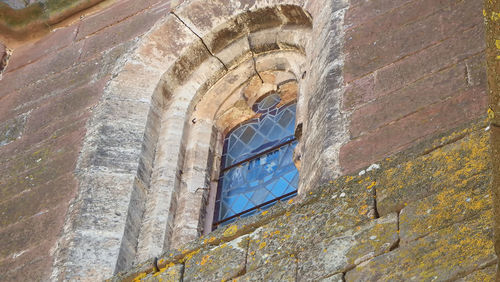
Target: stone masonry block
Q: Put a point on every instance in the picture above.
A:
(401, 13)
(362, 11)
(453, 204)
(29, 53)
(169, 273)
(276, 271)
(448, 166)
(411, 129)
(437, 57)
(391, 46)
(398, 104)
(337, 210)
(341, 253)
(119, 33)
(442, 256)
(48, 65)
(224, 262)
(111, 16)
(487, 274)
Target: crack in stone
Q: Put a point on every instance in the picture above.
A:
(201, 39)
(253, 59)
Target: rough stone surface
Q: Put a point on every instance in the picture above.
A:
(487, 274)
(441, 256)
(12, 130)
(280, 270)
(224, 262)
(169, 273)
(338, 254)
(451, 165)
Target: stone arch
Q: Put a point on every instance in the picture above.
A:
(246, 53)
(159, 85)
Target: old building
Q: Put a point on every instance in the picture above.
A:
(263, 140)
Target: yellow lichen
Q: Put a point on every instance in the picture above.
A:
(230, 231)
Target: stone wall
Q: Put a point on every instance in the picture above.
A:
(47, 95)
(424, 214)
(382, 76)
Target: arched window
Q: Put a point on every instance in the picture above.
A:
(257, 166)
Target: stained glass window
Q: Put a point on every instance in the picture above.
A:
(257, 166)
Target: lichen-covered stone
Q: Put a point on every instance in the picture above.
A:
(224, 262)
(417, 178)
(441, 256)
(453, 204)
(487, 274)
(331, 210)
(280, 270)
(341, 253)
(170, 273)
(334, 278)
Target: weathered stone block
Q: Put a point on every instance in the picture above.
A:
(224, 262)
(119, 33)
(169, 273)
(391, 46)
(48, 65)
(362, 11)
(439, 56)
(487, 274)
(394, 106)
(441, 256)
(29, 53)
(450, 165)
(276, 271)
(455, 203)
(336, 210)
(112, 16)
(339, 254)
(409, 130)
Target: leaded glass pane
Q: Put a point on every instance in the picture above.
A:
(260, 134)
(259, 180)
(257, 160)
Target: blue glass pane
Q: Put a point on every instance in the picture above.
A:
(260, 134)
(263, 177)
(257, 181)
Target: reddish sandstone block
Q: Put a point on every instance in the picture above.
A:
(37, 200)
(408, 131)
(31, 232)
(37, 269)
(437, 57)
(120, 32)
(414, 67)
(397, 17)
(73, 103)
(359, 92)
(14, 183)
(14, 162)
(392, 46)
(398, 104)
(364, 11)
(112, 15)
(57, 39)
(48, 65)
